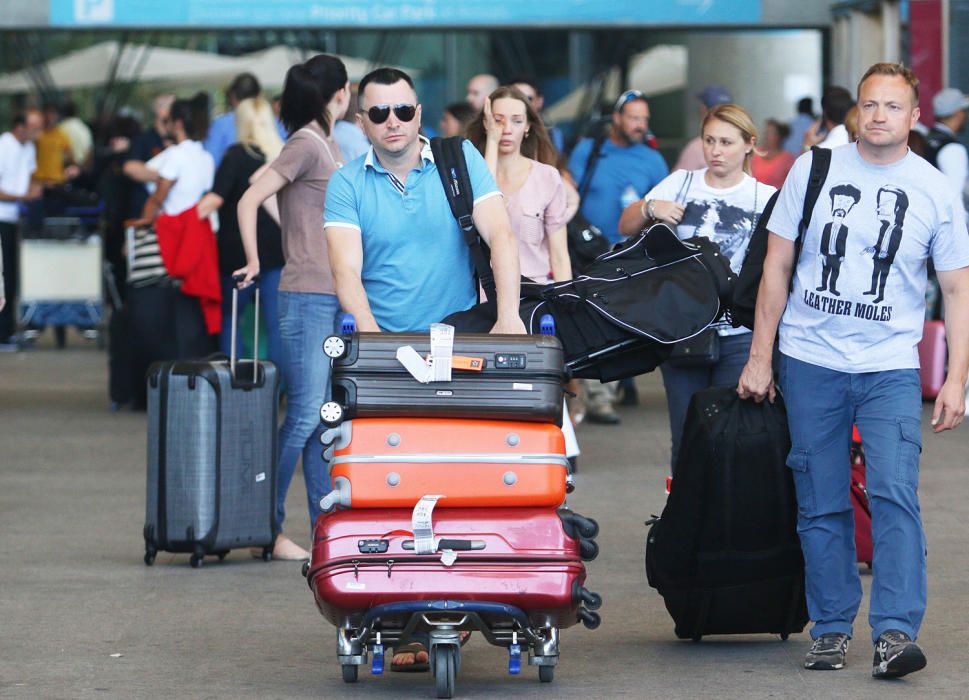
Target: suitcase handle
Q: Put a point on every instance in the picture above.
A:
(233, 351)
(455, 545)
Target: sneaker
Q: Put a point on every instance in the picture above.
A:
(603, 418)
(896, 655)
(828, 652)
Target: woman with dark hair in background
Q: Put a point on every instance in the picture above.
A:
(455, 120)
(166, 323)
(316, 94)
(258, 143)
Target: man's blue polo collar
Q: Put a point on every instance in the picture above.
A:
(427, 156)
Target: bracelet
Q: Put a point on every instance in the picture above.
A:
(646, 205)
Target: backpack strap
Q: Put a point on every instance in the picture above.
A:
(453, 170)
(820, 163)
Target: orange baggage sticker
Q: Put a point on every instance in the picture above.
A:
(470, 364)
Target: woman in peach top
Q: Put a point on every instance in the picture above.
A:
(519, 153)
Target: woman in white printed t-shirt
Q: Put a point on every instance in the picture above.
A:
(721, 202)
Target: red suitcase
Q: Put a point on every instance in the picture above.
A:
(864, 547)
(393, 462)
(523, 557)
(932, 358)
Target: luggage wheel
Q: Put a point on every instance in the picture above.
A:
(331, 414)
(334, 347)
(445, 662)
(349, 672)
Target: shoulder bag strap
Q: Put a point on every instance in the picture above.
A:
(453, 171)
(590, 165)
(326, 146)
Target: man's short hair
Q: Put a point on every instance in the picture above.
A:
(893, 69)
(19, 119)
(526, 80)
(835, 104)
(244, 86)
(805, 105)
(385, 76)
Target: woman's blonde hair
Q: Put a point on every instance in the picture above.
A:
(735, 116)
(256, 126)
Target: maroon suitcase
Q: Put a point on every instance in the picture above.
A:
(932, 358)
(864, 547)
(530, 558)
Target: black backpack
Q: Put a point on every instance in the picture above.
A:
(748, 282)
(725, 555)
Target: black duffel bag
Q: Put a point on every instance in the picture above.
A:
(623, 314)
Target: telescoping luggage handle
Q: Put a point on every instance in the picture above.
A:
(233, 351)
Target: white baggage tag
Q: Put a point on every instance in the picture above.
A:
(448, 557)
(414, 364)
(442, 348)
(424, 540)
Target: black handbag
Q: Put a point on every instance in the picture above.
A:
(702, 350)
(586, 242)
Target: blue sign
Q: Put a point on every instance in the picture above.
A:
(370, 14)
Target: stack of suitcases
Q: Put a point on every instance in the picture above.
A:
(448, 509)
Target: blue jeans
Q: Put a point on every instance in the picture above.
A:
(305, 321)
(268, 285)
(886, 406)
(683, 382)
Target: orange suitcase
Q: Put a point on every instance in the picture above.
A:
(393, 462)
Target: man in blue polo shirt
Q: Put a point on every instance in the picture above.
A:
(399, 259)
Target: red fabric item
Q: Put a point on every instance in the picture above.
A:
(859, 501)
(772, 171)
(188, 250)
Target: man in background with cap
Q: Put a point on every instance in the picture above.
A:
(944, 150)
(691, 157)
(612, 171)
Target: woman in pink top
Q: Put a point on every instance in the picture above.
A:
(519, 153)
(772, 165)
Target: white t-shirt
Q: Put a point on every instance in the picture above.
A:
(192, 169)
(838, 136)
(727, 216)
(872, 231)
(18, 161)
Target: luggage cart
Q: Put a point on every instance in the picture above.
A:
(442, 621)
(61, 280)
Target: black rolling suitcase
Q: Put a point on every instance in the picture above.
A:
(211, 455)
(725, 555)
(522, 378)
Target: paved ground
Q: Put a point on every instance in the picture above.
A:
(82, 617)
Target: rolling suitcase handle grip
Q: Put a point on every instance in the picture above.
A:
(233, 351)
(455, 545)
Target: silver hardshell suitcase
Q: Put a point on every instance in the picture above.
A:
(212, 428)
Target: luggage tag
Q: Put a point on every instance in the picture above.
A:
(415, 365)
(442, 349)
(424, 540)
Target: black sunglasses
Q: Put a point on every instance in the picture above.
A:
(380, 113)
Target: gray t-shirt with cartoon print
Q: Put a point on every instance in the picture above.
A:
(858, 302)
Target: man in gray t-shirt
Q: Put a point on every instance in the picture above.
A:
(848, 332)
